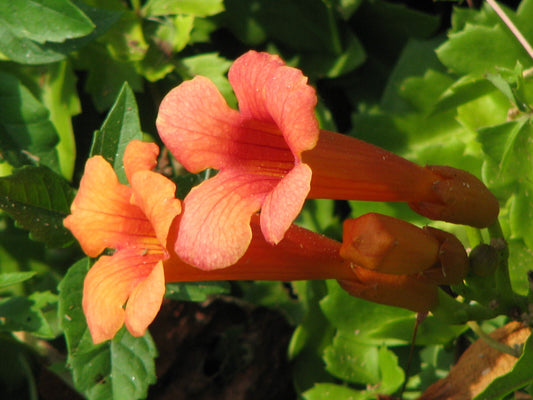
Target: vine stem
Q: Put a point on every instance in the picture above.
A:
(491, 341)
(512, 27)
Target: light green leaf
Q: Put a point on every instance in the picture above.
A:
(38, 200)
(199, 8)
(214, 67)
(480, 49)
(121, 126)
(12, 278)
(45, 20)
(352, 361)
(331, 391)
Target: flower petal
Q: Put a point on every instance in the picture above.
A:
(215, 226)
(102, 215)
(155, 194)
(270, 91)
(145, 301)
(139, 156)
(196, 124)
(108, 285)
(283, 204)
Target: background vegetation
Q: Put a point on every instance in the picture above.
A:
(437, 82)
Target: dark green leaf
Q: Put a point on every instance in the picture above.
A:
(26, 51)
(39, 200)
(12, 278)
(518, 378)
(45, 20)
(121, 126)
(26, 133)
(196, 291)
(21, 313)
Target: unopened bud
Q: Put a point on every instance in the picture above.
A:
(389, 245)
(464, 199)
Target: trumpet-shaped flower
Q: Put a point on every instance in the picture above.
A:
(134, 220)
(271, 156)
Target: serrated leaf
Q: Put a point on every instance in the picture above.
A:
(45, 20)
(121, 126)
(26, 133)
(480, 49)
(196, 291)
(38, 200)
(122, 368)
(199, 8)
(12, 278)
(518, 378)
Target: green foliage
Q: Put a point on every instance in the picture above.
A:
(120, 368)
(438, 83)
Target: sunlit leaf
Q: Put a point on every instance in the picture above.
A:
(119, 128)
(45, 20)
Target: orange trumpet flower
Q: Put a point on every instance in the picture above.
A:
(271, 156)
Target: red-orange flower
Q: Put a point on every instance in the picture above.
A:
(397, 263)
(135, 221)
(271, 155)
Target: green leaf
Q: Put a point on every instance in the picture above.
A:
(196, 291)
(60, 97)
(464, 90)
(122, 368)
(214, 67)
(331, 391)
(45, 20)
(521, 214)
(27, 135)
(107, 76)
(509, 146)
(520, 262)
(121, 126)
(12, 278)
(199, 8)
(26, 51)
(38, 200)
(352, 361)
(377, 324)
(518, 378)
(392, 376)
(21, 313)
(480, 49)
